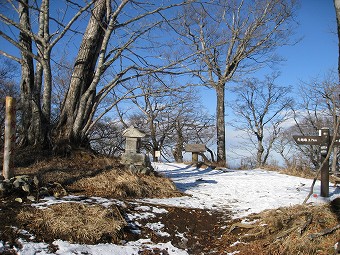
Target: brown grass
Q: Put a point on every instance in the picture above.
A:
(85, 173)
(303, 172)
(94, 175)
(287, 231)
(123, 184)
(74, 222)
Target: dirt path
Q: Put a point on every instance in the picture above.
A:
(192, 230)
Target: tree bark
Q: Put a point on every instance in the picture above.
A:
(27, 76)
(179, 144)
(43, 78)
(220, 124)
(260, 151)
(78, 99)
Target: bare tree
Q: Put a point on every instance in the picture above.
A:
(106, 138)
(192, 124)
(155, 104)
(230, 37)
(171, 116)
(36, 82)
(115, 48)
(262, 107)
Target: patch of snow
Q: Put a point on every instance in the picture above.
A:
(157, 227)
(236, 243)
(66, 248)
(233, 253)
(159, 210)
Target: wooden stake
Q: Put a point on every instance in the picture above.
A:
(8, 165)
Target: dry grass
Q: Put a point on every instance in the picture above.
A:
(291, 229)
(74, 222)
(85, 173)
(287, 231)
(303, 172)
(94, 175)
(123, 184)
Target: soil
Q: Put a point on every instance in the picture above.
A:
(193, 230)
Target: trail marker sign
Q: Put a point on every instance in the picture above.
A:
(324, 141)
(310, 140)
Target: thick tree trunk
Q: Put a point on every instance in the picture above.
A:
(27, 76)
(46, 105)
(43, 77)
(221, 145)
(36, 128)
(30, 87)
(78, 100)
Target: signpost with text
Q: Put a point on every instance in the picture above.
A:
(323, 140)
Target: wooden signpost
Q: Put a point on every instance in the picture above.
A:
(323, 140)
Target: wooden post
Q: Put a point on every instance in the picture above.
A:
(325, 168)
(194, 157)
(8, 164)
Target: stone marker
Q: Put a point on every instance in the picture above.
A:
(132, 157)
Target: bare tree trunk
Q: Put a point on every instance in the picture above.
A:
(260, 151)
(36, 128)
(46, 105)
(221, 146)
(43, 77)
(27, 76)
(82, 77)
(179, 145)
(47, 73)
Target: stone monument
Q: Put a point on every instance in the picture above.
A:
(132, 157)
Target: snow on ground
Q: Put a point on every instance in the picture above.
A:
(241, 192)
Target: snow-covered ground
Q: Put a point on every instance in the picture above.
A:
(241, 192)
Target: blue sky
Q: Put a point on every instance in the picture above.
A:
(318, 50)
(312, 57)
